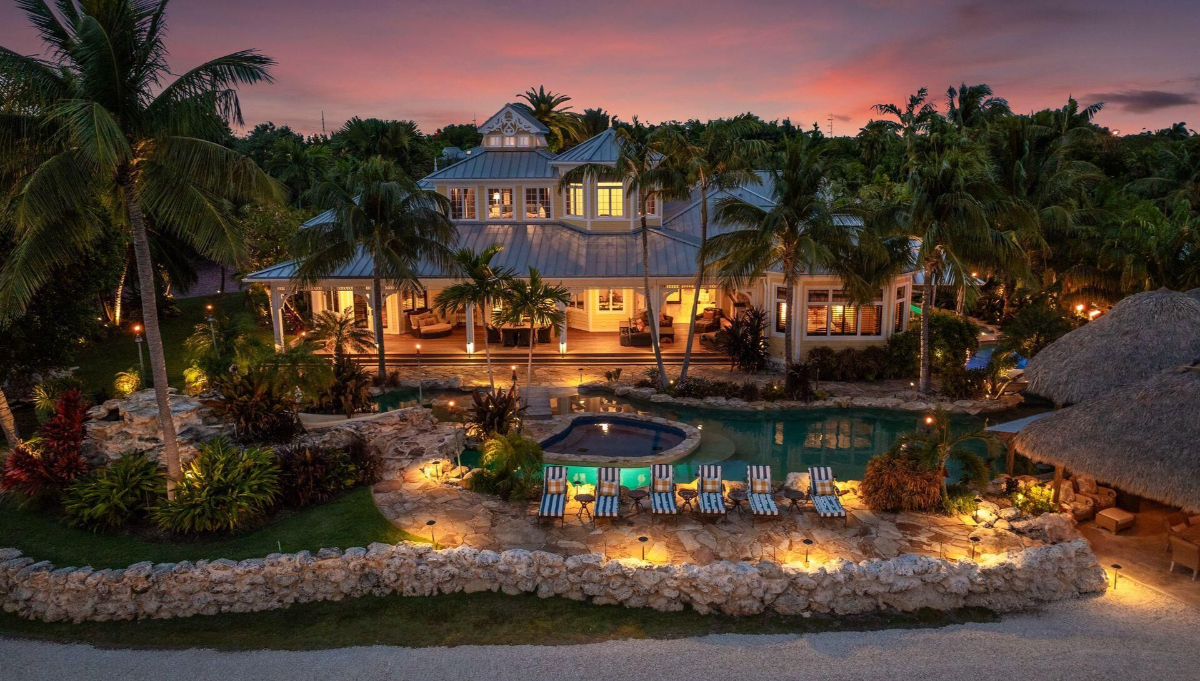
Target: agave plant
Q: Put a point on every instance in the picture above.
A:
(495, 412)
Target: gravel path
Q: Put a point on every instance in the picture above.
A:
(1134, 634)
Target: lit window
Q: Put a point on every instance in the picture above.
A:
(510, 141)
(817, 321)
(612, 300)
(901, 301)
(610, 200)
(500, 204)
(651, 205)
(578, 301)
(843, 317)
(524, 141)
(781, 309)
(462, 203)
(492, 141)
(574, 199)
(537, 203)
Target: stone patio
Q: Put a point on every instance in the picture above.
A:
(420, 486)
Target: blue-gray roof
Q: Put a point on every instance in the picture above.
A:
(684, 216)
(600, 149)
(555, 249)
(498, 165)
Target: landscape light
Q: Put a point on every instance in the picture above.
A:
(807, 544)
(643, 540)
(1116, 574)
(432, 539)
(1079, 307)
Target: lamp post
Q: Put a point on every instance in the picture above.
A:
(432, 539)
(458, 447)
(137, 337)
(643, 540)
(420, 379)
(211, 329)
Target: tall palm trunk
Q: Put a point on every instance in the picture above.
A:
(158, 364)
(119, 297)
(926, 384)
(7, 424)
(487, 348)
(789, 281)
(687, 350)
(529, 368)
(651, 306)
(377, 320)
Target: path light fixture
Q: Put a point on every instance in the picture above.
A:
(581, 377)
(513, 367)
(643, 540)
(137, 337)
(1116, 567)
(432, 539)
(211, 329)
(807, 545)
(974, 547)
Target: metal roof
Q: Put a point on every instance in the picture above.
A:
(498, 165)
(555, 249)
(600, 149)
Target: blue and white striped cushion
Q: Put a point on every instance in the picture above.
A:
(763, 504)
(711, 502)
(828, 507)
(552, 505)
(608, 507)
(663, 502)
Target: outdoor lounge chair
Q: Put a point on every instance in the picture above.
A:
(1185, 554)
(554, 493)
(823, 492)
(662, 489)
(758, 491)
(710, 488)
(608, 493)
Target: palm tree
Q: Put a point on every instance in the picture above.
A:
(379, 212)
(721, 158)
(7, 424)
(639, 166)
(400, 141)
(566, 126)
(299, 166)
(973, 106)
(338, 332)
(483, 284)
(797, 233)
(103, 124)
(537, 301)
(952, 209)
(911, 121)
(938, 444)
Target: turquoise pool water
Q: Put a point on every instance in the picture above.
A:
(402, 397)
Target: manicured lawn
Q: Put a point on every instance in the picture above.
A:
(351, 520)
(449, 620)
(100, 362)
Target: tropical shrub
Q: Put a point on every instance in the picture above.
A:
(349, 393)
(216, 346)
(47, 464)
(113, 496)
(1036, 500)
(259, 405)
(962, 383)
(799, 382)
(940, 443)
(745, 341)
(367, 465)
(497, 412)
(895, 482)
(310, 474)
(511, 468)
(961, 499)
(127, 382)
(1033, 328)
(46, 394)
(222, 490)
(951, 337)
(612, 375)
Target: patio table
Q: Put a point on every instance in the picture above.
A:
(795, 497)
(736, 497)
(636, 496)
(688, 495)
(584, 500)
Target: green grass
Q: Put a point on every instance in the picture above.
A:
(351, 520)
(100, 362)
(448, 620)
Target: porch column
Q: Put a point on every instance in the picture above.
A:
(316, 301)
(470, 328)
(369, 296)
(277, 296)
(562, 329)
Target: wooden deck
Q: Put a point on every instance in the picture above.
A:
(596, 347)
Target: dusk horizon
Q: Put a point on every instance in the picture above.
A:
(807, 62)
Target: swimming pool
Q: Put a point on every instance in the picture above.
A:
(604, 436)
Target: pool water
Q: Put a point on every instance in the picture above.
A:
(399, 398)
(603, 436)
(844, 439)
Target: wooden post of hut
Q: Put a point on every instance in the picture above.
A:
(1058, 476)
(1010, 459)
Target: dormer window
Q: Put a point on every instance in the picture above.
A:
(500, 204)
(510, 141)
(491, 141)
(524, 140)
(610, 200)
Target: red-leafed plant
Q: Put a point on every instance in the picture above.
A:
(48, 463)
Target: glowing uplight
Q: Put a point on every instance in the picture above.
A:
(1079, 307)
(470, 348)
(928, 420)
(604, 427)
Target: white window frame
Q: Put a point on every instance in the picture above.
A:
(524, 140)
(512, 204)
(652, 201)
(459, 205)
(549, 205)
(624, 301)
(608, 188)
(779, 311)
(828, 303)
(573, 200)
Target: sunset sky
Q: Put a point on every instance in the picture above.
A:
(446, 62)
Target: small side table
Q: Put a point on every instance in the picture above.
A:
(584, 500)
(636, 496)
(736, 497)
(688, 495)
(795, 497)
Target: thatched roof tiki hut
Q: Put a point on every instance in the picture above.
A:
(1144, 440)
(1141, 336)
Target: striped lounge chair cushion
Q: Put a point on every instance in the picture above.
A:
(711, 502)
(663, 502)
(762, 504)
(828, 507)
(608, 507)
(552, 505)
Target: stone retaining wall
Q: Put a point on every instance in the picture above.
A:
(38, 590)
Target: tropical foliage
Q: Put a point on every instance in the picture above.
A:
(223, 489)
(939, 443)
(511, 468)
(115, 495)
